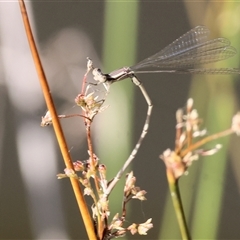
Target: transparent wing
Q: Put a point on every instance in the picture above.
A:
(191, 49)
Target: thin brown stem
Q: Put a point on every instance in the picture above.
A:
(90, 147)
(206, 140)
(84, 83)
(93, 169)
(56, 124)
(73, 115)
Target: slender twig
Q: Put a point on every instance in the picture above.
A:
(57, 127)
(93, 167)
(93, 170)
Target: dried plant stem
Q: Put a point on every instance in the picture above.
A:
(206, 140)
(93, 169)
(177, 203)
(57, 127)
(91, 153)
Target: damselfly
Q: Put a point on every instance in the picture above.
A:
(184, 55)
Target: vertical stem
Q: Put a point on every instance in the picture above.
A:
(56, 124)
(177, 203)
(100, 225)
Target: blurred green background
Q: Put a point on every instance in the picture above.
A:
(114, 34)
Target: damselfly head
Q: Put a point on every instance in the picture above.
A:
(98, 75)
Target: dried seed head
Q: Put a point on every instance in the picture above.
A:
(179, 115)
(80, 101)
(89, 104)
(209, 152)
(89, 64)
(144, 227)
(173, 162)
(78, 166)
(70, 173)
(189, 104)
(88, 191)
(140, 228)
(46, 120)
(140, 194)
(133, 228)
(129, 184)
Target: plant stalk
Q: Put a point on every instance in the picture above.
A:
(177, 203)
(56, 124)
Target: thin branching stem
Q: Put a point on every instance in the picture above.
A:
(56, 124)
(73, 115)
(206, 140)
(93, 170)
(91, 153)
